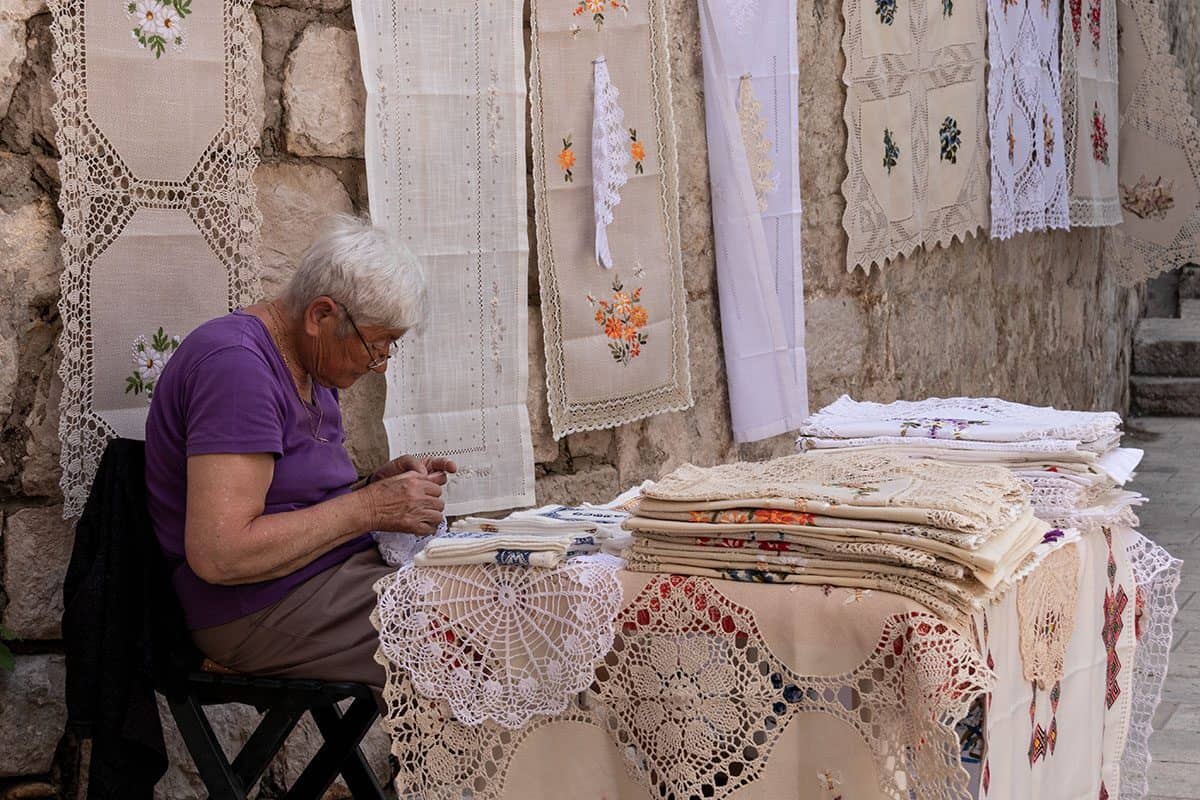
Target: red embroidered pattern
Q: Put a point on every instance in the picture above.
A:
(1103, 791)
(1114, 607)
(1043, 740)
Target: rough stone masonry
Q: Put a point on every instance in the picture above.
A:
(1035, 319)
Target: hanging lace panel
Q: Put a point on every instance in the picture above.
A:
(753, 149)
(1157, 575)
(610, 156)
(445, 140)
(1046, 602)
(616, 339)
(916, 151)
(1029, 170)
(702, 694)
(160, 228)
(1090, 117)
(1159, 171)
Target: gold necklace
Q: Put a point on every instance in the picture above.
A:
(279, 338)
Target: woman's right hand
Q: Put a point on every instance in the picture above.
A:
(410, 502)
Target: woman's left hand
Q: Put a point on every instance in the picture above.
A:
(424, 466)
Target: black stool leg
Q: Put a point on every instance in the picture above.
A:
(264, 743)
(360, 778)
(214, 768)
(342, 735)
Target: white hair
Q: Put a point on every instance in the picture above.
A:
(365, 268)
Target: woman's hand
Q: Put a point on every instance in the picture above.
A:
(422, 466)
(410, 501)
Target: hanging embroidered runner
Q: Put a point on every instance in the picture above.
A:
(160, 229)
(1089, 100)
(753, 150)
(1160, 151)
(916, 152)
(445, 145)
(616, 339)
(1029, 172)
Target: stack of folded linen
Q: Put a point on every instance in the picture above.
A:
(1071, 460)
(540, 537)
(949, 536)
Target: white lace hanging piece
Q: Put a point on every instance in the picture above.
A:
(1029, 169)
(499, 644)
(758, 146)
(1156, 574)
(610, 156)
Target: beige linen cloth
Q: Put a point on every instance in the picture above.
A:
(160, 229)
(616, 339)
(1160, 150)
(724, 690)
(916, 154)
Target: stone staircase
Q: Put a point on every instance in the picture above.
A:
(1166, 356)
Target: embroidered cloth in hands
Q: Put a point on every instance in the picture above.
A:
(615, 339)
(445, 139)
(160, 228)
(916, 152)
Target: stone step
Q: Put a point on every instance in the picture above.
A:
(1189, 308)
(1189, 282)
(1159, 396)
(1163, 346)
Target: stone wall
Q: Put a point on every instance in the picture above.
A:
(1035, 319)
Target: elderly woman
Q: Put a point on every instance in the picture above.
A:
(251, 491)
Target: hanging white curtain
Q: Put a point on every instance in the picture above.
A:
(751, 88)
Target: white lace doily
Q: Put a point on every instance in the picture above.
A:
(610, 157)
(1156, 574)
(500, 643)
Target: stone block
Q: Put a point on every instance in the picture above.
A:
(362, 417)
(293, 198)
(33, 714)
(233, 723)
(1189, 282)
(32, 790)
(12, 58)
(1156, 395)
(308, 5)
(1167, 347)
(30, 240)
(37, 547)
(324, 98)
(29, 122)
(595, 485)
(40, 469)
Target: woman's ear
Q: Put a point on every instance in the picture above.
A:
(320, 309)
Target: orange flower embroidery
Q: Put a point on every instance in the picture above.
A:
(566, 159)
(772, 516)
(596, 9)
(622, 317)
(637, 150)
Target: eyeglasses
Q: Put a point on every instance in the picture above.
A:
(375, 361)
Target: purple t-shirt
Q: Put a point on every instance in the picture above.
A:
(227, 390)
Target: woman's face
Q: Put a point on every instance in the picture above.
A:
(339, 351)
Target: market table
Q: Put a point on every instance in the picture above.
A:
(721, 689)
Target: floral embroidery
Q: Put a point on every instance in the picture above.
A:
(951, 138)
(1047, 137)
(890, 151)
(157, 23)
(1094, 23)
(1099, 136)
(1006, 4)
(758, 146)
(149, 358)
(637, 150)
(566, 159)
(1046, 8)
(1076, 18)
(947, 8)
(856, 596)
(828, 781)
(1012, 140)
(1110, 633)
(1148, 200)
(596, 9)
(622, 319)
(886, 10)
(574, 29)
(937, 424)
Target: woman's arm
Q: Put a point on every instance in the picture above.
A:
(229, 540)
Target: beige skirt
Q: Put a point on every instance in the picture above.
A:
(322, 629)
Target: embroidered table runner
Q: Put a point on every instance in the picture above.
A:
(718, 689)
(616, 339)
(752, 107)
(445, 146)
(1029, 171)
(1090, 118)
(916, 152)
(1160, 151)
(160, 229)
